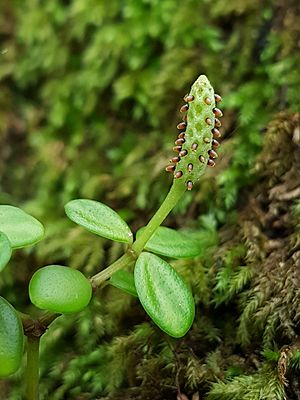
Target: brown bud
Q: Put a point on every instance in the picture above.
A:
(175, 159)
(217, 123)
(180, 141)
(181, 135)
(208, 121)
(183, 153)
(188, 98)
(190, 167)
(202, 159)
(215, 143)
(218, 113)
(212, 154)
(211, 163)
(170, 168)
(216, 132)
(207, 101)
(181, 125)
(184, 108)
(218, 98)
(178, 174)
(177, 149)
(194, 146)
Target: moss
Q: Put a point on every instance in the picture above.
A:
(88, 100)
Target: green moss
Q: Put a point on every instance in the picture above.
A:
(88, 102)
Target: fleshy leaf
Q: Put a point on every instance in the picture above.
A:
(164, 295)
(124, 280)
(99, 219)
(174, 244)
(11, 339)
(60, 289)
(21, 229)
(5, 250)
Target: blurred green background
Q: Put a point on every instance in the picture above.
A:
(89, 99)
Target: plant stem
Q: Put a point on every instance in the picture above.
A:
(175, 193)
(32, 372)
(126, 259)
(46, 319)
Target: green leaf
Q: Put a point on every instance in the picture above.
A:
(170, 243)
(60, 289)
(5, 250)
(124, 280)
(11, 339)
(99, 219)
(164, 295)
(21, 229)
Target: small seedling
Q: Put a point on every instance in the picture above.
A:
(163, 294)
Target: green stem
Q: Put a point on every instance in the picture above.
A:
(126, 259)
(32, 372)
(46, 319)
(175, 193)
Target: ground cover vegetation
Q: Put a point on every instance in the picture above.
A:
(90, 93)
